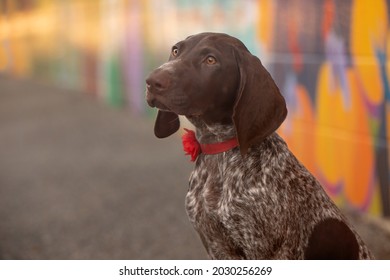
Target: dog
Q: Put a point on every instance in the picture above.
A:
(249, 197)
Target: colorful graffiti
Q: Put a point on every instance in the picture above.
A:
(336, 85)
(329, 58)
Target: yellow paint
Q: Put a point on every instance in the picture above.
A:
(266, 22)
(369, 32)
(329, 108)
(376, 203)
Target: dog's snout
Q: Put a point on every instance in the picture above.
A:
(152, 83)
(158, 81)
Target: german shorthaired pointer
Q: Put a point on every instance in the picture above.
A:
(250, 198)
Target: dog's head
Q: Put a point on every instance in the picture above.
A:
(213, 76)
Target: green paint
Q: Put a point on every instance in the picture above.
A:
(115, 83)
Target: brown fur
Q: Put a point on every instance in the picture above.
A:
(256, 201)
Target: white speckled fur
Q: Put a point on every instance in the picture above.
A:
(260, 206)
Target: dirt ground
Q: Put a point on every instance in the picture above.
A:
(81, 180)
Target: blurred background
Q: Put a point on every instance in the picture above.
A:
(81, 173)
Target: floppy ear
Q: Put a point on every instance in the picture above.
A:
(166, 124)
(259, 107)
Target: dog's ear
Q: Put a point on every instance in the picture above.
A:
(259, 108)
(166, 124)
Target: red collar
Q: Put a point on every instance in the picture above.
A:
(193, 148)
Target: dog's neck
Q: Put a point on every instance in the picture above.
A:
(206, 133)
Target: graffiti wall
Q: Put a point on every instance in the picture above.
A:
(332, 69)
(329, 58)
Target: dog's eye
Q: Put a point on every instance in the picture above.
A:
(175, 51)
(210, 60)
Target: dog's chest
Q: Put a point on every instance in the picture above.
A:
(224, 185)
(226, 204)
(209, 206)
(206, 195)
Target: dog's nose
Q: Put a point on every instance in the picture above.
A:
(158, 81)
